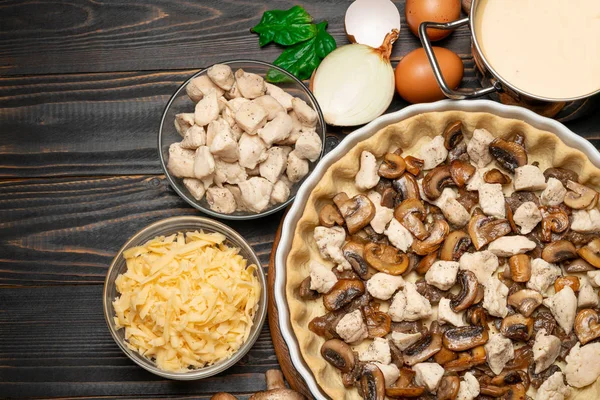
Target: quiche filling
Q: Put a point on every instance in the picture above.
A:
(461, 272)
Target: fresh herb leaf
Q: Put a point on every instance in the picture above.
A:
(285, 27)
(303, 58)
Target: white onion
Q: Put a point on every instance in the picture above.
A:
(355, 83)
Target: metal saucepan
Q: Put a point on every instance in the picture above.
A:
(499, 88)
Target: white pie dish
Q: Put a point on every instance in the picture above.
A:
(296, 211)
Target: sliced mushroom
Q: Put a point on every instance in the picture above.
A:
(404, 387)
(509, 155)
(411, 213)
(554, 220)
(461, 172)
(520, 267)
(591, 252)
(407, 187)
(354, 253)
(305, 292)
(438, 233)
(522, 359)
(414, 165)
(578, 265)
(425, 347)
(558, 251)
(525, 301)
(342, 293)
(455, 245)
(570, 280)
(276, 388)
(496, 176)
(357, 211)
(324, 325)
(465, 337)
(388, 197)
(562, 174)
(484, 230)
(444, 356)
(453, 135)
(337, 353)
(345, 274)
(517, 327)
(468, 199)
(386, 258)
(580, 196)
(392, 167)
(436, 180)
(448, 388)
(468, 291)
(431, 293)
(511, 378)
(372, 383)
(487, 389)
(467, 360)
(330, 216)
(516, 199)
(587, 327)
(425, 263)
(378, 323)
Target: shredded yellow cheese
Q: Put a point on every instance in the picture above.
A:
(186, 300)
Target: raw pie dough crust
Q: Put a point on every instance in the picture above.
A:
(409, 134)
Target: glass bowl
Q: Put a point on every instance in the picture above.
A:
(167, 227)
(181, 103)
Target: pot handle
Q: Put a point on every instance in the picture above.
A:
(449, 92)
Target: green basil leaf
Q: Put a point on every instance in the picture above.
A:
(285, 27)
(303, 58)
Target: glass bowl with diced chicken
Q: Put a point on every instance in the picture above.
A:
(236, 146)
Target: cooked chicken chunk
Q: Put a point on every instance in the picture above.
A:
(442, 274)
(250, 85)
(586, 221)
(276, 162)
(224, 144)
(398, 235)
(494, 297)
(454, 212)
(183, 122)
(226, 172)
(256, 193)
(446, 315)
(409, 305)
(204, 162)
(429, 375)
(587, 296)
(553, 388)
(545, 350)
(404, 340)
(220, 200)
(382, 286)
(207, 109)
(563, 306)
(322, 278)
(237, 195)
(195, 187)
(329, 242)
(194, 137)
(297, 168)
(469, 387)
(222, 76)
(309, 145)
(390, 373)
(271, 106)
(583, 367)
(352, 327)
(378, 350)
(554, 194)
(252, 150)
(251, 117)
(491, 200)
(499, 351)
(181, 161)
(527, 216)
(433, 153)
(367, 176)
(529, 177)
(200, 86)
(276, 130)
(280, 193)
(543, 274)
(305, 113)
(383, 215)
(507, 246)
(481, 263)
(282, 97)
(478, 148)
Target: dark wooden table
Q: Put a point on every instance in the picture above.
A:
(82, 88)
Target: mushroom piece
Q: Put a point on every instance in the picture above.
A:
(554, 220)
(455, 245)
(511, 378)
(520, 267)
(591, 252)
(571, 281)
(496, 176)
(469, 286)
(517, 327)
(425, 263)
(414, 165)
(562, 174)
(467, 360)
(388, 197)
(276, 389)
(437, 234)
(580, 196)
(453, 135)
(403, 387)
(372, 383)
(587, 327)
(342, 293)
(305, 292)
(357, 211)
(536, 380)
(378, 323)
(578, 265)
(525, 301)
(392, 167)
(461, 172)
(484, 230)
(354, 253)
(436, 180)
(407, 187)
(444, 356)
(424, 348)
(385, 258)
(465, 337)
(448, 388)
(468, 199)
(411, 213)
(509, 155)
(337, 353)
(330, 216)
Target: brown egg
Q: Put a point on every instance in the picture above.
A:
(415, 81)
(418, 11)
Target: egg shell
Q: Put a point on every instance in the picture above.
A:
(415, 81)
(418, 11)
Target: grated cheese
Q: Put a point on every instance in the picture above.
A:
(186, 300)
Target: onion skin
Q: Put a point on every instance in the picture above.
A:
(355, 83)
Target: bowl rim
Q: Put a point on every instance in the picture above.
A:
(192, 201)
(259, 318)
(289, 223)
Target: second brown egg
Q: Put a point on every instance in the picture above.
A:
(418, 11)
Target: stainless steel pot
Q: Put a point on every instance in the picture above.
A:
(499, 88)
